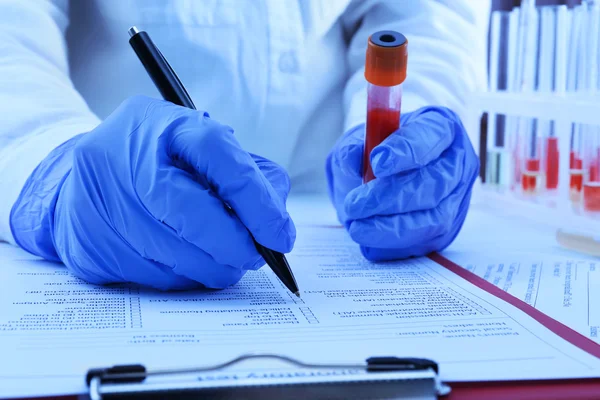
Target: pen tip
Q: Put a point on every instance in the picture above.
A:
(297, 294)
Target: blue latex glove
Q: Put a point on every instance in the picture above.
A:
(420, 197)
(114, 207)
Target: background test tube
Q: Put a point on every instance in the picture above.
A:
(511, 137)
(593, 44)
(520, 123)
(545, 84)
(591, 186)
(576, 166)
(385, 70)
(574, 82)
(531, 174)
(533, 179)
(497, 160)
(562, 127)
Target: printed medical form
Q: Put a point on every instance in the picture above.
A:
(53, 325)
(525, 260)
(566, 289)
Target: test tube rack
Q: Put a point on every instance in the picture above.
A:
(562, 108)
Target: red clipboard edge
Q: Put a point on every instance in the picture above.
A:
(568, 334)
(563, 389)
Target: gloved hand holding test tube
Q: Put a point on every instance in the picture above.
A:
(400, 185)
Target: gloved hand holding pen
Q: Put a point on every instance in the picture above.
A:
(114, 206)
(419, 200)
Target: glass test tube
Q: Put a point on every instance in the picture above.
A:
(551, 159)
(511, 137)
(589, 66)
(528, 38)
(385, 70)
(532, 177)
(383, 118)
(591, 164)
(576, 165)
(498, 160)
(546, 76)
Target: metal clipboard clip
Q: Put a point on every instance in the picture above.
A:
(377, 378)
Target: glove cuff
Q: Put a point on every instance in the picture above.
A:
(32, 214)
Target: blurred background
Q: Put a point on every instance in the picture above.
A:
(537, 127)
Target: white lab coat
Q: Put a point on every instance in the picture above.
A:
(285, 74)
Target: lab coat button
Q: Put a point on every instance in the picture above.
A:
(288, 63)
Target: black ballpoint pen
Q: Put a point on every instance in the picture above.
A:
(171, 88)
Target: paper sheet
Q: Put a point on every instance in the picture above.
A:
(523, 258)
(53, 327)
(566, 289)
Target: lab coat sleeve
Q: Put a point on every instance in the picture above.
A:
(39, 105)
(447, 51)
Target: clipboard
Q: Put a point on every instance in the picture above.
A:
(561, 389)
(377, 378)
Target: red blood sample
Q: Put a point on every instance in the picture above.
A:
(529, 178)
(591, 197)
(594, 172)
(572, 158)
(552, 163)
(575, 177)
(381, 123)
(576, 185)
